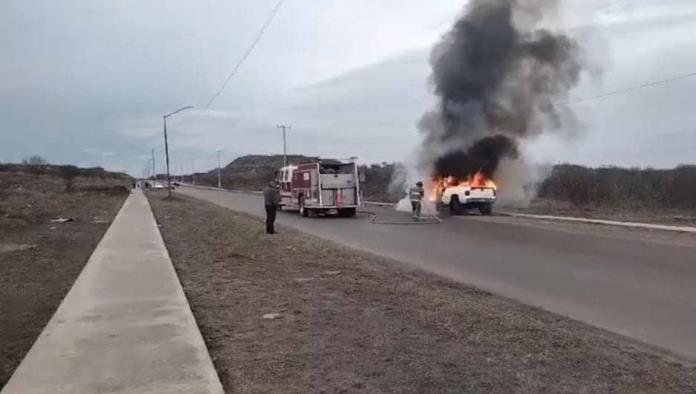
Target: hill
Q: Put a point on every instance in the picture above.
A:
(253, 172)
(250, 172)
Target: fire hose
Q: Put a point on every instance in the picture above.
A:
(421, 220)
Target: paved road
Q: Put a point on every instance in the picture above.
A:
(637, 283)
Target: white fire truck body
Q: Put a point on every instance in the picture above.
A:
(329, 187)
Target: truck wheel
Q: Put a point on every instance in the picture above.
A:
(346, 212)
(303, 210)
(486, 210)
(455, 206)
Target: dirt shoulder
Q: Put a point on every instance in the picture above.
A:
(40, 260)
(350, 321)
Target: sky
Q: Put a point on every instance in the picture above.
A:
(87, 82)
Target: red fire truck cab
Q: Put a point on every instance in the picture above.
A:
(320, 187)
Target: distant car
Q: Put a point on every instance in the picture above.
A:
(176, 184)
(157, 185)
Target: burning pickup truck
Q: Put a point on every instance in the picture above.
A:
(477, 192)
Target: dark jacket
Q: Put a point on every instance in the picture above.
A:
(271, 196)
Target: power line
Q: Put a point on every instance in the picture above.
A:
(267, 23)
(638, 87)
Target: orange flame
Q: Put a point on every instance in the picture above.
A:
(478, 179)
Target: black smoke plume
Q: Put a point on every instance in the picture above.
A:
(483, 156)
(500, 78)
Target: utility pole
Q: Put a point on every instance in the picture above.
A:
(285, 147)
(166, 146)
(219, 179)
(154, 172)
(166, 155)
(193, 171)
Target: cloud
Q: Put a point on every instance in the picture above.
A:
(82, 78)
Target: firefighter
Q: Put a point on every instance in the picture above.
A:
(271, 199)
(416, 195)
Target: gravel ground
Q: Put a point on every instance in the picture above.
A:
(40, 260)
(349, 321)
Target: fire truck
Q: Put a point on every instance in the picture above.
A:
(320, 187)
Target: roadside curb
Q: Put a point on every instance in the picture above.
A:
(647, 226)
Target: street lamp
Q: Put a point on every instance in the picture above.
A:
(166, 145)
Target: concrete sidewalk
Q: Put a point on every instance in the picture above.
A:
(125, 326)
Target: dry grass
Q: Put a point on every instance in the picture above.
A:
(40, 260)
(350, 321)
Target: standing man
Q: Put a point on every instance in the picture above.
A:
(271, 199)
(416, 195)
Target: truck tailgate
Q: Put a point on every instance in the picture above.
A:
(484, 193)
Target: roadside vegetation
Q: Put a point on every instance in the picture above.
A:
(292, 313)
(51, 219)
(644, 195)
(615, 187)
